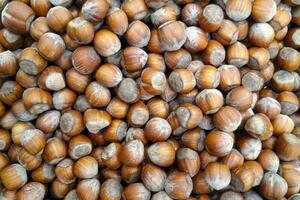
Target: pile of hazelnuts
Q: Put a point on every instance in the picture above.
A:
(149, 99)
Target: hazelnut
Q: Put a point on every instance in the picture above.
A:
(77, 81)
(138, 34)
(80, 30)
(106, 42)
(282, 124)
(182, 80)
(156, 61)
(268, 106)
(277, 189)
(238, 10)
(13, 176)
(28, 161)
(64, 98)
(40, 7)
(110, 155)
(289, 102)
(157, 129)
(283, 81)
(58, 17)
(52, 78)
(207, 77)
(230, 77)
(31, 62)
(64, 171)
(286, 147)
(33, 141)
(190, 13)
(249, 147)
(17, 17)
(281, 19)
(116, 131)
(218, 143)
(136, 191)
(292, 38)
(135, 10)
(79, 146)
(133, 59)
(39, 26)
(51, 46)
(233, 160)
(43, 174)
(179, 185)
(5, 139)
(153, 81)
(117, 21)
(180, 58)
(161, 154)
(214, 54)
(9, 64)
(136, 134)
(132, 153)
(64, 3)
(257, 170)
(130, 174)
(268, 160)
(259, 126)
(160, 195)
(206, 158)
(211, 17)
(237, 54)
(169, 39)
(288, 59)
(197, 39)
(200, 186)
(162, 15)
(194, 139)
(26, 80)
(231, 195)
(85, 59)
(261, 34)
(10, 40)
(94, 10)
(33, 190)
(117, 108)
(96, 120)
(188, 115)
(54, 151)
(227, 119)
(109, 75)
(227, 33)
(253, 81)
(263, 10)
(86, 167)
(289, 171)
(158, 108)
(138, 114)
(217, 175)
(153, 177)
(97, 95)
(10, 92)
(242, 179)
(91, 185)
(239, 98)
(111, 189)
(128, 84)
(188, 161)
(154, 44)
(8, 120)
